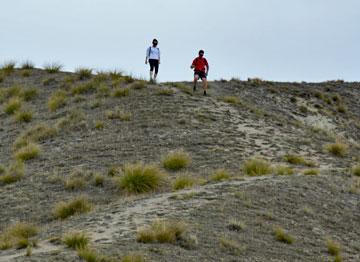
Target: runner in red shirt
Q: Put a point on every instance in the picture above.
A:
(201, 69)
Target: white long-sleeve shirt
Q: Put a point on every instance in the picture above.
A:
(153, 53)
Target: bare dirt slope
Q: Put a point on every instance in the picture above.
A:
(237, 121)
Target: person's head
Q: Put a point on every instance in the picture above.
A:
(155, 42)
(201, 53)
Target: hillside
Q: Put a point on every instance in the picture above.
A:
(261, 171)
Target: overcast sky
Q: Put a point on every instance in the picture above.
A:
(311, 40)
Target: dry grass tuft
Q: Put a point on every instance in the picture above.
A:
(284, 170)
(13, 173)
(140, 178)
(37, 133)
(83, 73)
(13, 105)
(176, 160)
(29, 93)
(27, 65)
(184, 181)
(133, 258)
(298, 160)
(257, 167)
(19, 235)
(29, 151)
(221, 174)
(356, 170)
(311, 172)
(53, 68)
(337, 149)
(24, 116)
(99, 124)
(72, 207)
(162, 231)
(57, 100)
(165, 92)
(83, 88)
(121, 92)
(333, 247)
(76, 240)
(8, 67)
(138, 85)
(119, 115)
(231, 246)
(231, 100)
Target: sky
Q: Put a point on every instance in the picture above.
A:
(282, 40)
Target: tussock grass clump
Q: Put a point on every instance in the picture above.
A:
(99, 180)
(121, 92)
(130, 79)
(231, 99)
(101, 76)
(13, 105)
(298, 160)
(133, 258)
(282, 236)
(57, 100)
(220, 174)
(29, 94)
(138, 85)
(37, 133)
(75, 183)
(284, 171)
(27, 65)
(72, 207)
(236, 225)
(53, 68)
(8, 67)
(355, 186)
(231, 246)
(311, 172)
(337, 149)
(76, 240)
(119, 115)
(184, 181)
(162, 231)
(176, 160)
(102, 90)
(341, 108)
(30, 151)
(24, 116)
(25, 73)
(140, 178)
(18, 235)
(165, 92)
(89, 255)
(99, 125)
(333, 247)
(74, 118)
(257, 167)
(13, 173)
(356, 170)
(84, 73)
(83, 88)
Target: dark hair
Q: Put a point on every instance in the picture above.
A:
(201, 52)
(155, 40)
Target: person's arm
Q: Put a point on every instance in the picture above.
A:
(193, 64)
(207, 67)
(159, 56)
(147, 55)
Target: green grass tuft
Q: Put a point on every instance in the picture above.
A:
(165, 92)
(333, 247)
(356, 170)
(13, 173)
(121, 92)
(311, 172)
(57, 100)
(220, 174)
(176, 160)
(76, 240)
(84, 73)
(36, 133)
(28, 152)
(83, 88)
(72, 207)
(24, 116)
(18, 235)
(13, 105)
(337, 149)
(231, 246)
(99, 124)
(257, 167)
(298, 160)
(138, 85)
(53, 68)
(230, 100)
(282, 236)
(184, 181)
(139, 178)
(284, 170)
(27, 65)
(8, 67)
(29, 94)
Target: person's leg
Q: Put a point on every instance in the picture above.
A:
(196, 78)
(151, 69)
(156, 69)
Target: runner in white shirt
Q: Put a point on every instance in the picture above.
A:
(153, 57)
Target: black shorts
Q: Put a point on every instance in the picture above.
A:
(200, 74)
(154, 63)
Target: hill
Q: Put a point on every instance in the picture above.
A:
(255, 171)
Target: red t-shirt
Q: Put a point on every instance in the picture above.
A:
(200, 63)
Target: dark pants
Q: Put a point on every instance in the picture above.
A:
(154, 64)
